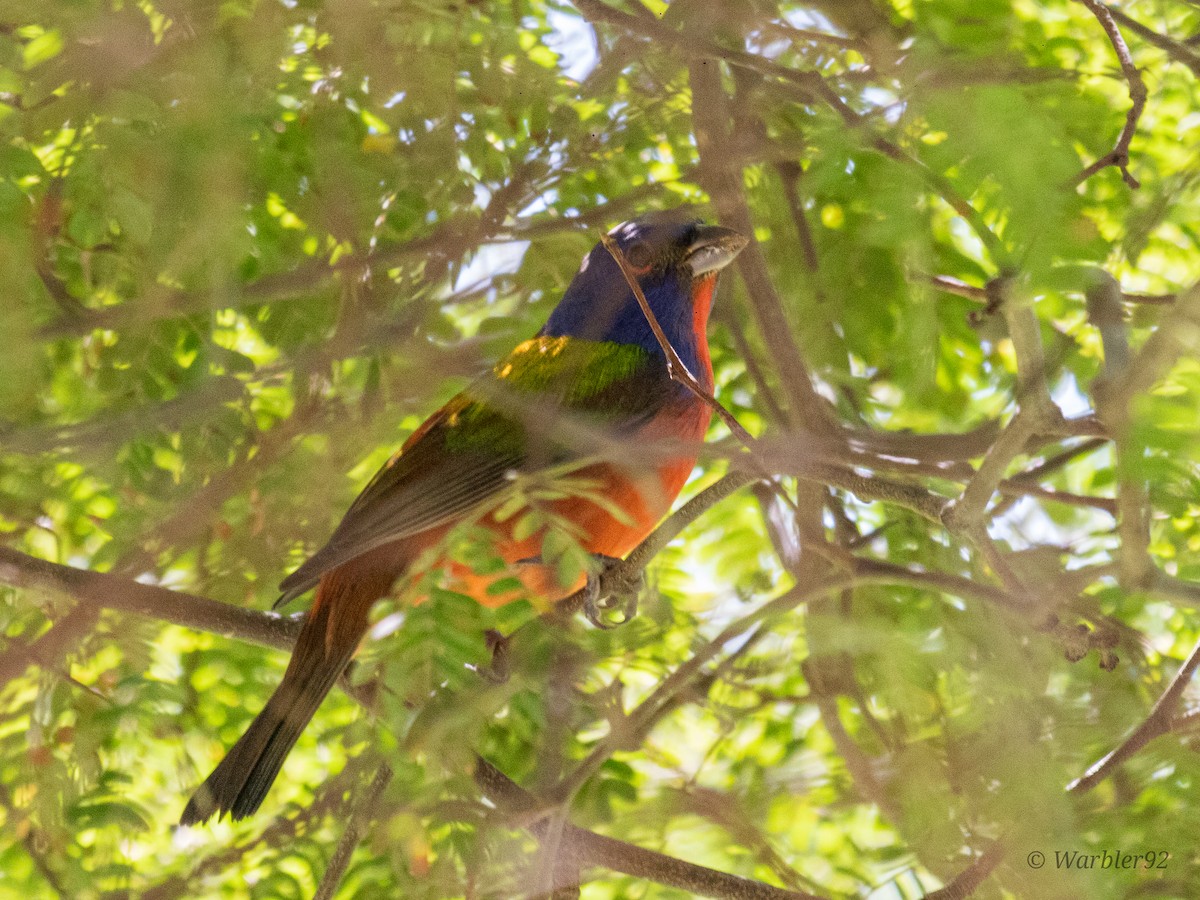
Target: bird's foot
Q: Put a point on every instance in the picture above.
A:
(609, 590)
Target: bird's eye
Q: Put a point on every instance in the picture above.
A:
(639, 255)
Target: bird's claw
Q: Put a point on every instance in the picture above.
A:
(603, 593)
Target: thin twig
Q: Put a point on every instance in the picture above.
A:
(820, 37)
(859, 572)
(360, 817)
(734, 818)
(1119, 156)
(1150, 299)
(31, 840)
(762, 388)
(720, 174)
(101, 589)
(968, 880)
(789, 172)
(1175, 589)
(588, 849)
(1160, 721)
(1011, 488)
(209, 615)
(665, 696)
(1177, 334)
(1052, 464)
(273, 630)
(676, 367)
(1181, 53)
(950, 285)
(969, 509)
(923, 502)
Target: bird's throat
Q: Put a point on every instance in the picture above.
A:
(702, 298)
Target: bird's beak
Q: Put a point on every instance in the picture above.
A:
(713, 248)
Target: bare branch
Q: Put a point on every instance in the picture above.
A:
(1179, 52)
(97, 590)
(724, 811)
(817, 37)
(1010, 487)
(360, 818)
(968, 880)
(969, 509)
(1175, 589)
(789, 173)
(1119, 156)
(1036, 413)
(923, 502)
(33, 840)
(584, 848)
(860, 572)
(1177, 334)
(958, 288)
(808, 86)
(1160, 721)
(951, 285)
(675, 366)
(272, 630)
(720, 175)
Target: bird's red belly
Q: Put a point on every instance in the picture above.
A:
(643, 495)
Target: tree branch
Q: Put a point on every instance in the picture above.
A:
(676, 367)
(1179, 52)
(1160, 721)
(807, 86)
(968, 880)
(721, 176)
(1177, 334)
(270, 629)
(1119, 156)
(584, 848)
(98, 590)
(360, 817)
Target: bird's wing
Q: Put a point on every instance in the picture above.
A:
(463, 454)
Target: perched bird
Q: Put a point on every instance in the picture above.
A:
(596, 360)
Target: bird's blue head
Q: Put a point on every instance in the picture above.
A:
(676, 258)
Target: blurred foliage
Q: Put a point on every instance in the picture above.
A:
(249, 244)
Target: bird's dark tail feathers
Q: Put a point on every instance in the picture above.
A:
(327, 641)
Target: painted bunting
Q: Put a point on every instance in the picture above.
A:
(597, 360)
